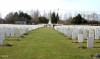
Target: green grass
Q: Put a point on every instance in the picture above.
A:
(45, 43)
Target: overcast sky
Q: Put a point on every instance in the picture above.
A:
(7, 6)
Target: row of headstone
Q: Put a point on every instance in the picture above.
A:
(81, 32)
(2, 35)
(11, 30)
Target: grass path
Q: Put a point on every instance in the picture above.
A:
(45, 43)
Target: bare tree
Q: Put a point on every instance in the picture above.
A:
(49, 15)
(45, 14)
(94, 16)
(0, 15)
(1, 20)
(65, 16)
(35, 15)
(9, 17)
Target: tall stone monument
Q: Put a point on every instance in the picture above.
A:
(49, 23)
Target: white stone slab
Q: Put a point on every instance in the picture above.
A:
(12, 32)
(17, 34)
(85, 34)
(97, 33)
(91, 31)
(80, 31)
(74, 36)
(80, 37)
(90, 42)
(7, 32)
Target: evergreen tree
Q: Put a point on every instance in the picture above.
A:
(78, 19)
(54, 18)
(43, 20)
(57, 18)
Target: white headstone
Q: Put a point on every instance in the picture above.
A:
(97, 32)
(91, 34)
(12, 32)
(85, 34)
(74, 36)
(80, 37)
(90, 42)
(80, 31)
(17, 33)
(1, 39)
(91, 31)
(2, 35)
(7, 32)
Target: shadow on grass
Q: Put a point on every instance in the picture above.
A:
(25, 34)
(15, 39)
(96, 47)
(97, 42)
(78, 42)
(84, 47)
(9, 45)
(69, 38)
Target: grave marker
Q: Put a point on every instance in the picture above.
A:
(90, 42)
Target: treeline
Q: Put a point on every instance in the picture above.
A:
(78, 20)
(22, 16)
(35, 17)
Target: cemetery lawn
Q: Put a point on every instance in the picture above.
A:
(45, 43)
